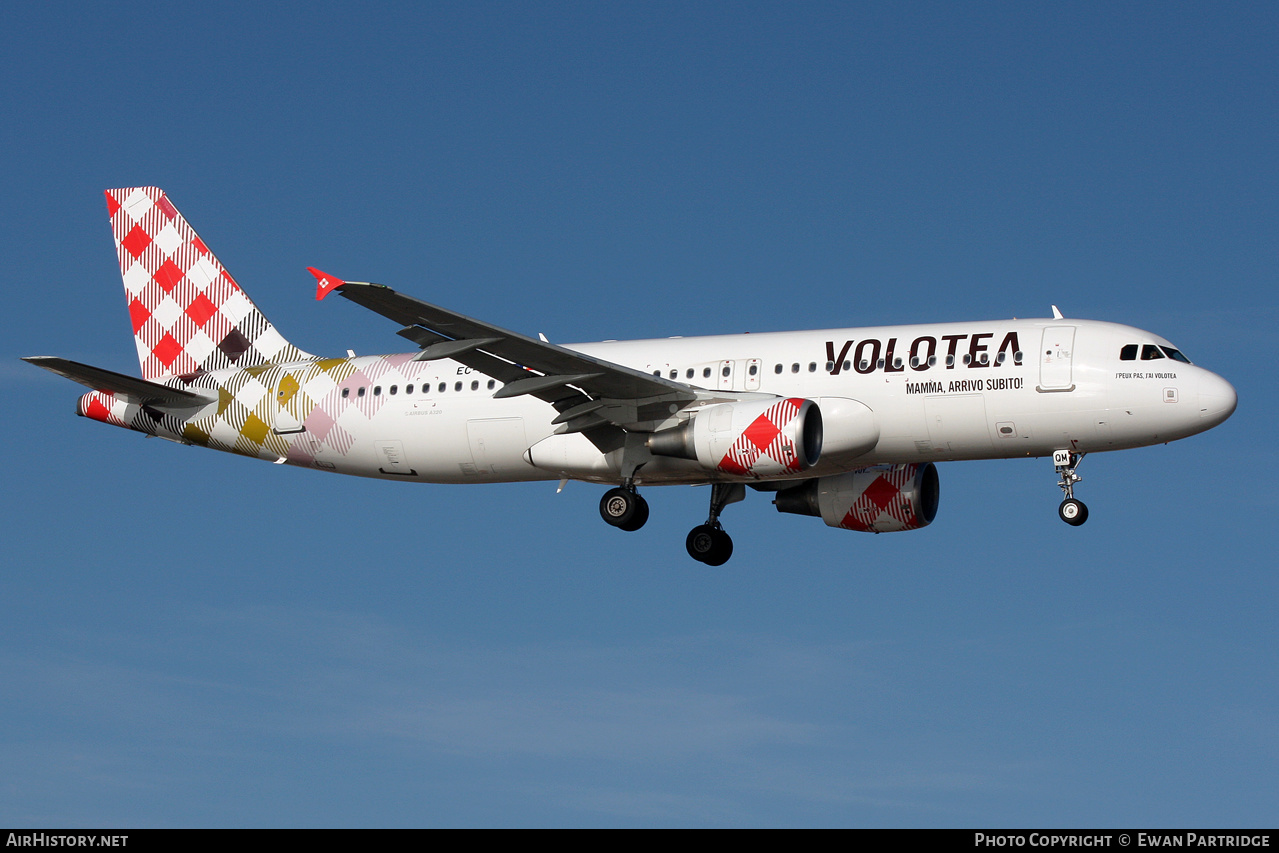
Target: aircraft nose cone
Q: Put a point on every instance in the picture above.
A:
(1217, 399)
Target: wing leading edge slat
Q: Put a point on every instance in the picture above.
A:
(520, 362)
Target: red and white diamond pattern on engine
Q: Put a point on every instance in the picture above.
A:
(764, 448)
(881, 505)
(188, 314)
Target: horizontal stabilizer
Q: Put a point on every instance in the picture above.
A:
(144, 392)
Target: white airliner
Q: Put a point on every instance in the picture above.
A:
(844, 424)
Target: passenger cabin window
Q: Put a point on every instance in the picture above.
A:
(443, 387)
(812, 367)
(777, 368)
(394, 388)
(492, 384)
(360, 392)
(475, 385)
(754, 369)
(457, 386)
(346, 392)
(674, 374)
(794, 368)
(1150, 352)
(688, 374)
(1128, 353)
(408, 389)
(706, 373)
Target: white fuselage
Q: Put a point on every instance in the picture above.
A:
(936, 392)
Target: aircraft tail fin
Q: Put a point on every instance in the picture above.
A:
(188, 314)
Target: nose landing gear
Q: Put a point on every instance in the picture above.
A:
(708, 543)
(1071, 511)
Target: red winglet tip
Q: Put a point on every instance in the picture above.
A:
(325, 283)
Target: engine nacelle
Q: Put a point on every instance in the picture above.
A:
(760, 438)
(878, 499)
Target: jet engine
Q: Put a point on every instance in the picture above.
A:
(758, 438)
(878, 499)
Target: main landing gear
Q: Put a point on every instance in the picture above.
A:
(1071, 511)
(708, 543)
(624, 508)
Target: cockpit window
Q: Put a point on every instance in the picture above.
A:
(1175, 355)
(1128, 353)
(1150, 352)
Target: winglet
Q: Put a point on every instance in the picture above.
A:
(324, 283)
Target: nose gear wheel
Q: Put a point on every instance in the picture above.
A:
(1071, 511)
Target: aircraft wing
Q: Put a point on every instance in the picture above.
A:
(98, 379)
(588, 392)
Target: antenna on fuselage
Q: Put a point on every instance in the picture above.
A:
(1057, 314)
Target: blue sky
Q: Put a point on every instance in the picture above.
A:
(199, 640)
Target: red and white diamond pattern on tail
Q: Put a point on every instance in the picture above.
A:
(881, 505)
(764, 448)
(188, 314)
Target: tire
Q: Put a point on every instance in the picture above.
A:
(709, 545)
(639, 518)
(1073, 512)
(619, 507)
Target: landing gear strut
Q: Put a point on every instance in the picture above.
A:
(624, 508)
(1071, 511)
(708, 543)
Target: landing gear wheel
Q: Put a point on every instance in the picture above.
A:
(641, 516)
(1073, 512)
(624, 509)
(709, 545)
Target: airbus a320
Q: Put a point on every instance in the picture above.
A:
(842, 424)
